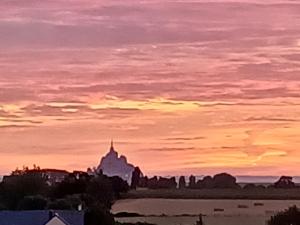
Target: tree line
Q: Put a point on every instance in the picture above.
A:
(222, 180)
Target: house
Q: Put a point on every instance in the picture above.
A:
(54, 175)
(44, 217)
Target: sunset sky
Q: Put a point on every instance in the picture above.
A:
(182, 86)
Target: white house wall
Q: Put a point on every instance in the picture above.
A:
(55, 221)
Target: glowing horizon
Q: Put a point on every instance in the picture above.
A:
(183, 87)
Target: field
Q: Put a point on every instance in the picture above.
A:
(208, 220)
(265, 194)
(186, 211)
(220, 206)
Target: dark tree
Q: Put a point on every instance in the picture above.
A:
(32, 203)
(162, 182)
(69, 186)
(143, 182)
(250, 187)
(135, 179)
(98, 215)
(192, 182)
(167, 183)
(289, 217)
(100, 189)
(2, 206)
(182, 183)
(285, 182)
(61, 204)
(118, 185)
(14, 188)
(224, 180)
(208, 182)
(153, 183)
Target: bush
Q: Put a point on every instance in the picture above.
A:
(15, 188)
(100, 189)
(118, 185)
(192, 181)
(127, 214)
(182, 183)
(60, 204)
(98, 215)
(250, 187)
(32, 203)
(224, 180)
(289, 217)
(285, 182)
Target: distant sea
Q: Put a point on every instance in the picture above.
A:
(262, 179)
(253, 179)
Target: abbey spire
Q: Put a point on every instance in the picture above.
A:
(112, 146)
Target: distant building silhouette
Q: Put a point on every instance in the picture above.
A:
(113, 165)
(54, 176)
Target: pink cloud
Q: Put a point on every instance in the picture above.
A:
(175, 72)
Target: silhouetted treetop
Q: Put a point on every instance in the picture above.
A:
(290, 216)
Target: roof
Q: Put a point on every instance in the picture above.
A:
(54, 171)
(57, 220)
(40, 217)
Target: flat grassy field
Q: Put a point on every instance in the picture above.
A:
(186, 211)
(264, 194)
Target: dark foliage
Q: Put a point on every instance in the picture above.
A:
(250, 187)
(182, 183)
(100, 189)
(143, 182)
(285, 182)
(254, 187)
(60, 204)
(2, 207)
(29, 190)
(169, 183)
(16, 187)
(138, 223)
(135, 179)
(32, 203)
(162, 183)
(127, 214)
(152, 183)
(289, 217)
(207, 182)
(69, 186)
(118, 185)
(192, 182)
(224, 180)
(98, 215)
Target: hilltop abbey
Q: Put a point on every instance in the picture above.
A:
(113, 165)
